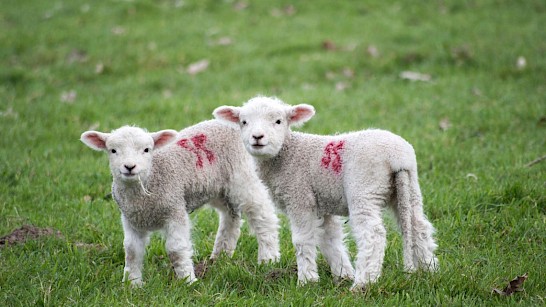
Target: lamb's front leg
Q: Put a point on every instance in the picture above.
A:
(260, 212)
(134, 243)
(333, 249)
(179, 246)
(229, 228)
(304, 226)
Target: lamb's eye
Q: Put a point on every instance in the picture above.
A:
(147, 150)
(243, 122)
(113, 151)
(278, 122)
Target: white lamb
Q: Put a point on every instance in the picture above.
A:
(157, 182)
(314, 178)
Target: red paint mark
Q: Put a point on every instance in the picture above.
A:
(198, 147)
(332, 156)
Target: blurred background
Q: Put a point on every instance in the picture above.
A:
(463, 81)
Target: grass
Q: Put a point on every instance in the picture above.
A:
(69, 66)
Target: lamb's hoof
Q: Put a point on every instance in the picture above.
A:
(189, 279)
(135, 283)
(269, 259)
(343, 278)
(432, 266)
(308, 278)
(217, 255)
(410, 269)
(358, 288)
(346, 274)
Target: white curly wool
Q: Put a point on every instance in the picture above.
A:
(158, 178)
(315, 178)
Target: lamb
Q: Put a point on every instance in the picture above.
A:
(160, 177)
(315, 179)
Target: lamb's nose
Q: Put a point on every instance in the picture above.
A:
(130, 167)
(258, 137)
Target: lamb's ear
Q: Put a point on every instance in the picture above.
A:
(299, 114)
(230, 114)
(94, 139)
(163, 137)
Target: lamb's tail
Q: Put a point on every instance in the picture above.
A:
(417, 231)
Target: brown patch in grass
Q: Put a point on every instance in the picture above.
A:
(28, 232)
(277, 274)
(202, 267)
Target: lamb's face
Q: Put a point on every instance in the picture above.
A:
(130, 153)
(264, 128)
(129, 150)
(265, 123)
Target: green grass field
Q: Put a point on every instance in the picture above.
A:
(70, 66)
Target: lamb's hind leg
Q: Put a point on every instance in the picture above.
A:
(255, 203)
(229, 228)
(333, 248)
(179, 247)
(424, 245)
(422, 229)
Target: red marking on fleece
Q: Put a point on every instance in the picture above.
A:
(198, 147)
(332, 156)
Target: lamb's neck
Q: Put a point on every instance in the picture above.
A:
(130, 189)
(266, 166)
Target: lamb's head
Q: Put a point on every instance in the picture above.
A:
(129, 149)
(265, 123)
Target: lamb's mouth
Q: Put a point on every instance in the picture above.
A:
(128, 175)
(257, 146)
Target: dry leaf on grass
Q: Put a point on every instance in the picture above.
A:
(198, 67)
(288, 10)
(341, 86)
(240, 5)
(99, 68)
(9, 113)
(373, 51)
(473, 176)
(515, 285)
(223, 41)
(444, 124)
(69, 96)
(167, 93)
(118, 30)
(521, 62)
(462, 54)
(94, 126)
(348, 72)
(328, 45)
(476, 91)
(415, 76)
(179, 3)
(76, 56)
